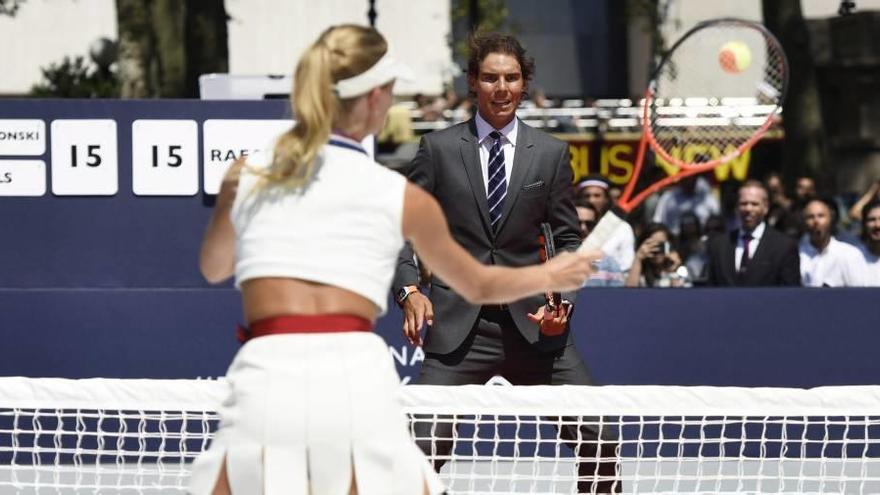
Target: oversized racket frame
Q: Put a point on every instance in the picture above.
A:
(617, 215)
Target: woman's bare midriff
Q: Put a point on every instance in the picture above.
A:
(267, 297)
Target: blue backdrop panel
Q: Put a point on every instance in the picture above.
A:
(739, 337)
(794, 337)
(137, 333)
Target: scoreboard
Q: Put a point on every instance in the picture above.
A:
(164, 155)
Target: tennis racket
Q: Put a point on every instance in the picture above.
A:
(720, 58)
(548, 250)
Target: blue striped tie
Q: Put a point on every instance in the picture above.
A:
(497, 180)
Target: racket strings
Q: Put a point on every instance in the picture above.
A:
(713, 96)
(715, 90)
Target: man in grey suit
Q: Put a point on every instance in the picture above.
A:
(498, 180)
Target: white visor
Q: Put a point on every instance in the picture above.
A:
(592, 182)
(382, 72)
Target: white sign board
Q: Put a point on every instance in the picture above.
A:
(22, 177)
(227, 140)
(22, 137)
(85, 161)
(165, 157)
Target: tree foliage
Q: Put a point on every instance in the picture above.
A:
(491, 16)
(653, 15)
(165, 45)
(10, 7)
(163, 48)
(74, 78)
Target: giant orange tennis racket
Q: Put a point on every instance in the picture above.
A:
(689, 105)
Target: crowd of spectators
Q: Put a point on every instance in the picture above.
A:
(685, 238)
(449, 107)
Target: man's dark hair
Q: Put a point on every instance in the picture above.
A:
(832, 209)
(482, 44)
(651, 229)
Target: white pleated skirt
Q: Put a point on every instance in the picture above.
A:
(305, 411)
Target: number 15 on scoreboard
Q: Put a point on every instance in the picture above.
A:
(84, 157)
(164, 157)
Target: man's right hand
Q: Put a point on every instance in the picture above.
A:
(417, 310)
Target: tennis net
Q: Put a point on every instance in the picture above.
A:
(112, 435)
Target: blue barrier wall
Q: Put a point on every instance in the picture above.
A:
(109, 286)
(795, 337)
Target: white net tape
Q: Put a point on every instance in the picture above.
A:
(139, 436)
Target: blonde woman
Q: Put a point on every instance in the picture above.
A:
(311, 232)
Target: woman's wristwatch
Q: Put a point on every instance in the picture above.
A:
(404, 292)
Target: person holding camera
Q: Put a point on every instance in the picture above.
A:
(656, 264)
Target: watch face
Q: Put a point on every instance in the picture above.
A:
(401, 294)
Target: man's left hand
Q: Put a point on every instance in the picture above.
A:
(552, 321)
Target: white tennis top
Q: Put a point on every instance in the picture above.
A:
(342, 229)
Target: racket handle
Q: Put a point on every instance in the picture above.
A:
(553, 299)
(604, 230)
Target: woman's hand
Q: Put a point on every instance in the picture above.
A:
(417, 310)
(229, 186)
(647, 249)
(568, 270)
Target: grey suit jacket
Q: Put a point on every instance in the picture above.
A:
(447, 165)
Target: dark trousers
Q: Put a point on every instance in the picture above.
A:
(496, 347)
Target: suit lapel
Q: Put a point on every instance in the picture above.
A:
(730, 259)
(763, 246)
(470, 158)
(523, 159)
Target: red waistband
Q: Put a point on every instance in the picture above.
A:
(303, 324)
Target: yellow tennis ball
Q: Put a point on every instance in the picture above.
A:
(734, 57)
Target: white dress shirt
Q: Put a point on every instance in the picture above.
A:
(508, 146)
(872, 275)
(838, 265)
(757, 234)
